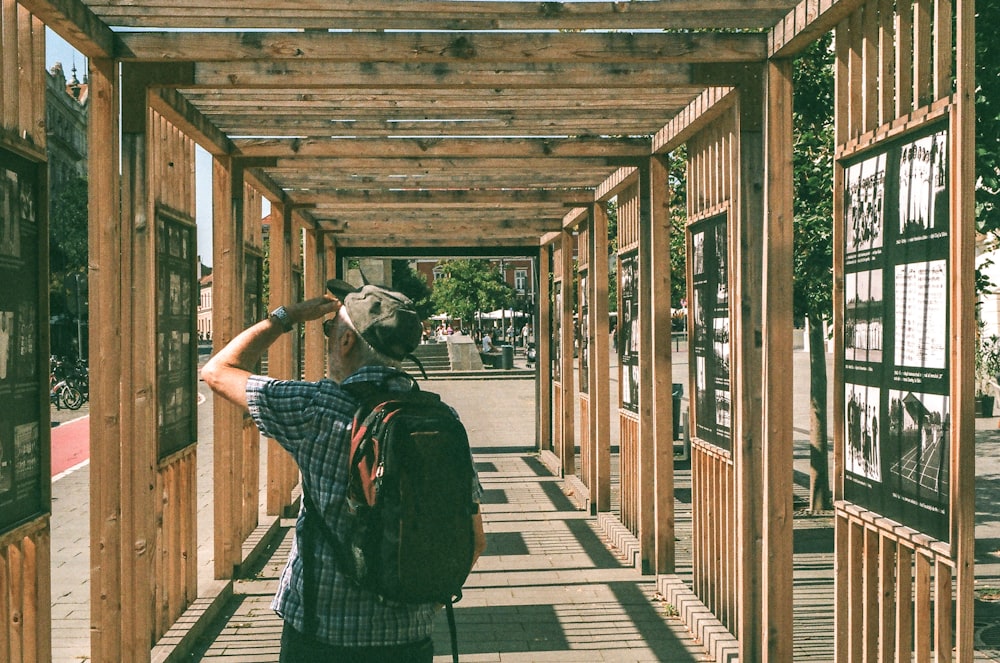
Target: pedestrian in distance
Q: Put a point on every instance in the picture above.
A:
(327, 615)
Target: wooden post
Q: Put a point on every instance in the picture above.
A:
(963, 497)
(777, 364)
(105, 269)
(227, 322)
(567, 343)
(543, 351)
(661, 363)
(600, 369)
(279, 355)
(745, 277)
(647, 403)
(315, 276)
(140, 427)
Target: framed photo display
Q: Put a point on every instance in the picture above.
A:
(708, 248)
(24, 457)
(897, 434)
(176, 329)
(628, 330)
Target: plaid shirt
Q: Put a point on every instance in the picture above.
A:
(312, 420)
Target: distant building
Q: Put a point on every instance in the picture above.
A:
(66, 109)
(205, 304)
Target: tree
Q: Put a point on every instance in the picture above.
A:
(813, 253)
(67, 246)
(468, 286)
(412, 283)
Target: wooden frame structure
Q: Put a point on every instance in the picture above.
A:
(417, 127)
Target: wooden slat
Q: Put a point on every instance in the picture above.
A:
(77, 24)
(9, 61)
(886, 62)
(856, 603)
(887, 571)
(904, 604)
(923, 619)
(943, 613)
(904, 58)
(923, 53)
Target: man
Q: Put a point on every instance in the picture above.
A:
(487, 342)
(331, 618)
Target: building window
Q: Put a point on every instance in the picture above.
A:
(520, 280)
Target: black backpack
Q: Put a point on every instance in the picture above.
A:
(410, 493)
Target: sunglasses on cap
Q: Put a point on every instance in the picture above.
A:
(328, 326)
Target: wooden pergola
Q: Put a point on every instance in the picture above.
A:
(422, 126)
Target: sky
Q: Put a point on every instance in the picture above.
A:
(58, 50)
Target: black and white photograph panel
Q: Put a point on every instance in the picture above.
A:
(863, 316)
(923, 186)
(864, 445)
(865, 205)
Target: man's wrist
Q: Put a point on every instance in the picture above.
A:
(280, 317)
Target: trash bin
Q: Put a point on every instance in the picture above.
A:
(507, 357)
(678, 391)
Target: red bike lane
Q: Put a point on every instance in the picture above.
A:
(70, 444)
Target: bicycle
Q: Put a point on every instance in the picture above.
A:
(64, 390)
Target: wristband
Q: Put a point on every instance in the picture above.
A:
(280, 317)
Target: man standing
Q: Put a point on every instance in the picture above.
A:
(328, 617)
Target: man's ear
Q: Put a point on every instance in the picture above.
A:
(347, 340)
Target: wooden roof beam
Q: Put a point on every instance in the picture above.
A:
(408, 15)
(314, 74)
(451, 148)
(442, 47)
(442, 243)
(78, 25)
(442, 198)
(459, 227)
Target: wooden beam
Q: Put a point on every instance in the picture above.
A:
(441, 198)
(462, 75)
(700, 113)
(462, 225)
(452, 148)
(536, 48)
(416, 244)
(186, 117)
(291, 127)
(403, 15)
(77, 24)
(389, 164)
(619, 180)
(804, 24)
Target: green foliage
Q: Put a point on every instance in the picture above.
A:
(68, 228)
(67, 243)
(677, 199)
(412, 283)
(469, 286)
(813, 174)
(987, 117)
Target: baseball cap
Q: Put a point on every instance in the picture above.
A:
(385, 318)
